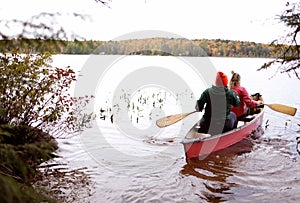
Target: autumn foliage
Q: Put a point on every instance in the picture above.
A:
(34, 93)
(36, 106)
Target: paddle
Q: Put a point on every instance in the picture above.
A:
(169, 120)
(282, 108)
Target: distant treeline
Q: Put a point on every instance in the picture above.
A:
(149, 46)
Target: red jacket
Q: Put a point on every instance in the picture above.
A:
(245, 99)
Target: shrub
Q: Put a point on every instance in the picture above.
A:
(34, 93)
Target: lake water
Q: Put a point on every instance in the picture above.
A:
(128, 159)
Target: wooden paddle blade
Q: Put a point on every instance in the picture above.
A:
(283, 109)
(169, 120)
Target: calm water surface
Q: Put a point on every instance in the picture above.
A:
(141, 163)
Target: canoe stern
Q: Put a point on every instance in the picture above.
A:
(204, 146)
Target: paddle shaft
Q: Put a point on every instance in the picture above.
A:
(169, 120)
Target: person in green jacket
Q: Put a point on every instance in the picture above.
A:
(217, 102)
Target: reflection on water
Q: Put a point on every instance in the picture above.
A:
(68, 176)
(215, 169)
(297, 146)
(257, 169)
(150, 166)
(251, 170)
(140, 104)
(63, 183)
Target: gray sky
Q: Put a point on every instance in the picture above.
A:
(193, 19)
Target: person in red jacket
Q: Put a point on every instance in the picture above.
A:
(247, 102)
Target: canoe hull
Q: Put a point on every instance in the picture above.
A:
(199, 147)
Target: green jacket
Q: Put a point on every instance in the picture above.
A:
(217, 101)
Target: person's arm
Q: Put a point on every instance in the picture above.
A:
(247, 99)
(201, 101)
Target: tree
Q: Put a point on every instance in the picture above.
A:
(34, 105)
(287, 49)
(32, 92)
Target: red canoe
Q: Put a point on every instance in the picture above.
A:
(199, 144)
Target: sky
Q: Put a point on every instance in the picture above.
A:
(243, 20)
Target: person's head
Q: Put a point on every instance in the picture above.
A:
(235, 79)
(221, 79)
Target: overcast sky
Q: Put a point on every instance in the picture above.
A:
(253, 20)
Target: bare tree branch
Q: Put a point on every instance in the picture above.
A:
(288, 49)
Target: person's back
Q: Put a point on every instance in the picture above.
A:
(217, 100)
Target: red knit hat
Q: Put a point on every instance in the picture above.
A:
(221, 79)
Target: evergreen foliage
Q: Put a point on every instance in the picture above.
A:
(22, 149)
